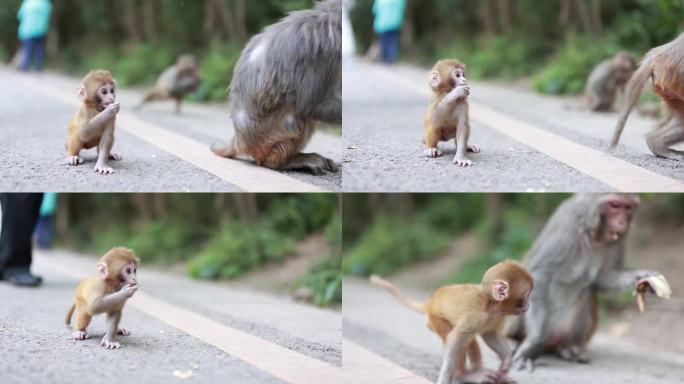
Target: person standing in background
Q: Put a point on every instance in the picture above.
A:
(34, 21)
(18, 216)
(389, 17)
(45, 227)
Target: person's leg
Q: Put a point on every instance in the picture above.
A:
(393, 46)
(384, 47)
(19, 215)
(26, 54)
(44, 231)
(39, 52)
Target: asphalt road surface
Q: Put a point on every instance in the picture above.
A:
(387, 331)
(529, 142)
(258, 338)
(161, 151)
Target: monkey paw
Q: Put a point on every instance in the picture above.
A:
(473, 148)
(123, 331)
(80, 335)
(74, 160)
(109, 344)
(115, 156)
(485, 376)
(462, 161)
(433, 152)
(524, 363)
(103, 170)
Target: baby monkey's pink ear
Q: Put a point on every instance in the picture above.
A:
(434, 79)
(102, 270)
(500, 290)
(81, 92)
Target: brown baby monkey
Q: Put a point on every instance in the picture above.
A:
(93, 124)
(447, 114)
(115, 282)
(460, 312)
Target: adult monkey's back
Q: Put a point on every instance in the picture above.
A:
(287, 77)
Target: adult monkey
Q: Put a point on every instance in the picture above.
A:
(288, 77)
(579, 251)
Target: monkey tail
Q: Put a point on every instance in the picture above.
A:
(634, 89)
(407, 301)
(67, 320)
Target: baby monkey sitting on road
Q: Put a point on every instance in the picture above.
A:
(460, 312)
(106, 292)
(447, 114)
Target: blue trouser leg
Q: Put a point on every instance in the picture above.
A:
(39, 52)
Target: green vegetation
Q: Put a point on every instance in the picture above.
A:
(136, 40)
(556, 42)
(219, 236)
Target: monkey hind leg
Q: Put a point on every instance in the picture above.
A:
(82, 322)
(311, 162)
(668, 133)
(229, 151)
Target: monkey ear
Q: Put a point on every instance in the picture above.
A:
(500, 290)
(102, 270)
(81, 92)
(434, 79)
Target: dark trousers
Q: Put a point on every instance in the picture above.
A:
(389, 46)
(34, 50)
(45, 231)
(19, 215)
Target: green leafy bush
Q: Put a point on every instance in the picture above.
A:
(569, 68)
(390, 244)
(216, 70)
(237, 248)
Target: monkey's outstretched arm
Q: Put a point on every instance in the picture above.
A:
(107, 302)
(442, 109)
(93, 128)
(622, 280)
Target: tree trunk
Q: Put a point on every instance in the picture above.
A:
(494, 208)
(209, 19)
(564, 13)
(241, 19)
(507, 15)
(152, 8)
(408, 33)
(227, 19)
(596, 19)
(246, 205)
(487, 16)
(584, 16)
(133, 21)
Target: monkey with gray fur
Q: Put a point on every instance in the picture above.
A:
(579, 252)
(608, 79)
(288, 77)
(664, 67)
(175, 82)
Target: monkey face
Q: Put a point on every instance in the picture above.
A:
(458, 77)
(128, 275)
(105, 95)
(617, 215)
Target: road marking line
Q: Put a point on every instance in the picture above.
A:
(362, 366)
(244, 175)
(617, 173)
(282, 363)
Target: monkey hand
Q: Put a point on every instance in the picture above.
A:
(461, 91)
(521, 362)
(113, 108)
(129, 290)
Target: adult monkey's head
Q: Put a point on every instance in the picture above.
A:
(609, 218)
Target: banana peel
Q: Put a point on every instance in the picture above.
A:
(652, 284)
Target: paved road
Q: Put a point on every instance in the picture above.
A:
(162, 151)
(36, 346)
(529, 142)
(378, 323)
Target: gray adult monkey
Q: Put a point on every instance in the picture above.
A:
(288, 77)
(579, 252)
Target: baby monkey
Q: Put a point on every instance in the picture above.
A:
(93, 124)
(447, 114)
(115, 282)
(460, 312)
